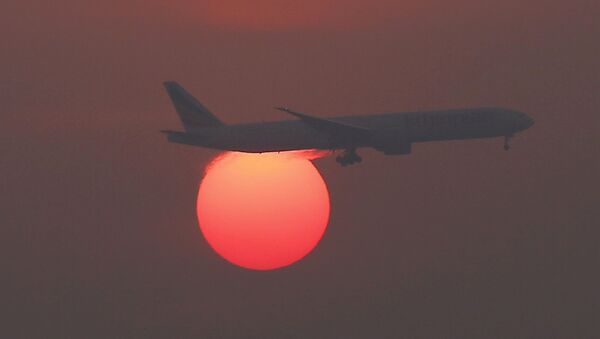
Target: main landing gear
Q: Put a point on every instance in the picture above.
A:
(348, 158)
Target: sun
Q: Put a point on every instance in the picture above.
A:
(263, 211)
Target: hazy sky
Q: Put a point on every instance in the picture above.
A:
(459, 239)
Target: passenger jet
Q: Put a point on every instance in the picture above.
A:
(390, 133)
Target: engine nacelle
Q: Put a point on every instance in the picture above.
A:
(398, 149)
(392, 143)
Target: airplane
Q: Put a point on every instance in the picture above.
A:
(390, 133)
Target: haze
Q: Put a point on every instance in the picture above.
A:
(458, 239)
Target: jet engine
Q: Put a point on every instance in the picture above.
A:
(397, 149)
(391, 143)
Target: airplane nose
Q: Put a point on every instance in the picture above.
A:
(523, 122)
(530, 122)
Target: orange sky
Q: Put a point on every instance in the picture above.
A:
(266, 13)
(97, 209)
(283, 14)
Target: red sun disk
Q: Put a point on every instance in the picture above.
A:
(262, 211)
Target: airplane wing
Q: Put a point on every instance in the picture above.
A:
(334, 128)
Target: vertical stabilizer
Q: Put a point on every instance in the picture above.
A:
(192, 113)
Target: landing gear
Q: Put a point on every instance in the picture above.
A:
(506, 140)
(348, 158)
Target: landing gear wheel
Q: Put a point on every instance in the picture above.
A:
(506, 140)
(342, 161)
(348, 158)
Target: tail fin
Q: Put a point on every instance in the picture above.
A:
(192, 113)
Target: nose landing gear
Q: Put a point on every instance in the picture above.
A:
(349, 157)
(506, 142)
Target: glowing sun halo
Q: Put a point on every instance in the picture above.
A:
(265, 13)
(262, 211)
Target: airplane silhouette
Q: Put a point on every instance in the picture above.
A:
(390, 133)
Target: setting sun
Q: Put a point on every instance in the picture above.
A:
(263, 211)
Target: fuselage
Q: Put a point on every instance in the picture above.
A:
(389, 132)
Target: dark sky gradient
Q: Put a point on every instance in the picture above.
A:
(459, 239)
